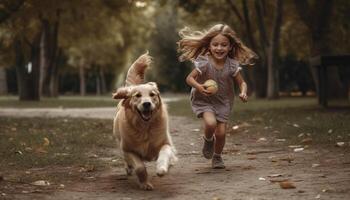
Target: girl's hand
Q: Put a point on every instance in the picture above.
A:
(243, 97)
(203, 91)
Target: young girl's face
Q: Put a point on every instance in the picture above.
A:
(219, 47)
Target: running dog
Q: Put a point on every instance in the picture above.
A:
(141, 125)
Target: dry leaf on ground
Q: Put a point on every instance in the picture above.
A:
(287, 185)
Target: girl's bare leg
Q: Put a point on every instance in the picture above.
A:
(209, 129)
(220, 136)
(209, 124)
(217, 162)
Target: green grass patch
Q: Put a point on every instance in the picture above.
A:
(36, 142)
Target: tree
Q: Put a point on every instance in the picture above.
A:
(317, 17)
(273, 71)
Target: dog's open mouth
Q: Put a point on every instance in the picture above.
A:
(145, 115)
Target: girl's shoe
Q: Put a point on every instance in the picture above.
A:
(208, 148)
(217, 162)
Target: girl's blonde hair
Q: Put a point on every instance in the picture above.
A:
(195, 43)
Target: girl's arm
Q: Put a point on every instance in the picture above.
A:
(191, 81)
(242, 86)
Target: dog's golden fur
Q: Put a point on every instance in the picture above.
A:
(141, 124)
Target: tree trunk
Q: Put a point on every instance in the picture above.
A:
(28, 75)
(51, 46)
(261, 69)
(3, 81)
(272, 66)
(251, 42)
(98, 85)
(82, 80)
(54, 75)
(103, 81)
(318, 21)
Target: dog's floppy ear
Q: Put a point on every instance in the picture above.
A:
(122, 93)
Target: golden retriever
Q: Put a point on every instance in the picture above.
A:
(141, 125)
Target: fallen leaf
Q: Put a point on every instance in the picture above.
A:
(261, 139)
(298, 149)
(315, 165)
(330, 131)
(301, 135)
(274, 175)
(235, 127)
(196, 130)
(306, 141)
(28, 149)
(318, 196)
(294, 146)
(296, 125)
(340, 144)
(46, 142)
(40, 150)
(287, 185)
(41, 183)
(262, 179)
(19, 152)
(280, 140)
(252, 157)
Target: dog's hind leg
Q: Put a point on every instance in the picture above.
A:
(140, 169)
(164, 160)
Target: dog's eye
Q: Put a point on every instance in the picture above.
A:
(138, 95)
(152, 94)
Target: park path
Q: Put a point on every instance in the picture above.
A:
(254, 169)
(97, 113)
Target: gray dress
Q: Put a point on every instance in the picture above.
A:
(220, 103)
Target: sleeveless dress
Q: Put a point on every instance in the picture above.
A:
(220, 103)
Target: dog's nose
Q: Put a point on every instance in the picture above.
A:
(146, 105)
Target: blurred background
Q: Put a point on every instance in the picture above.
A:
(50, 48)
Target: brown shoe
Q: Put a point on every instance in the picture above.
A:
(208, 148)
(217, 162)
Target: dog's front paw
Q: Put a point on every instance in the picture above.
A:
(161, 171)
(146, 186)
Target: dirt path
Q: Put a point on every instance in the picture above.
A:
(316, 173)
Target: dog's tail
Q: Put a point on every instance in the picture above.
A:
(136, 72)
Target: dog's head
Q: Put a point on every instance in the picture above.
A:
(143, 99)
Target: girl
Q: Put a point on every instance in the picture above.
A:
(216, 54)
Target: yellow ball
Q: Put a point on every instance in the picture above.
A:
(211, 86)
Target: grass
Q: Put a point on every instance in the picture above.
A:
(53, 149)
(34, 142)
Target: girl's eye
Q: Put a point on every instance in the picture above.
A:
(138, 95)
